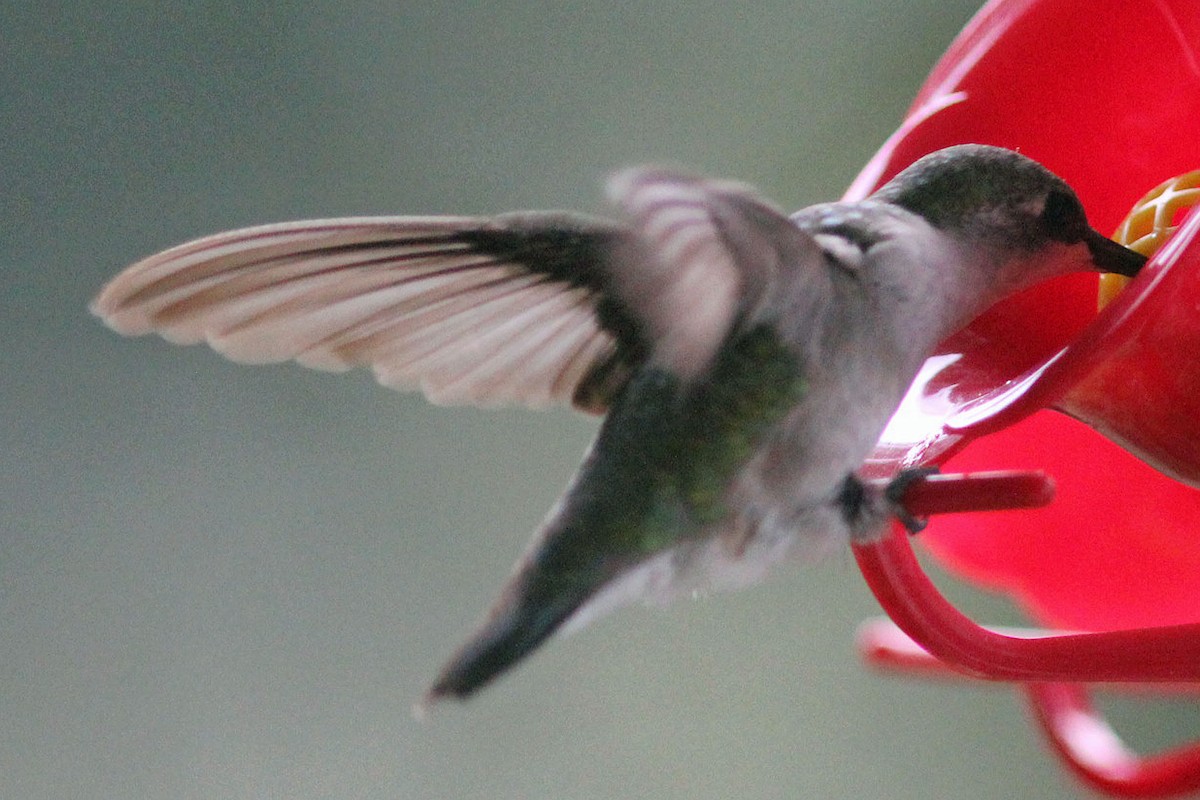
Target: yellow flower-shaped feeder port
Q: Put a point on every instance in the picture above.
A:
(1152, 221)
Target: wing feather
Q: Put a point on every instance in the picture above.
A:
(529, 308)
(473, 310)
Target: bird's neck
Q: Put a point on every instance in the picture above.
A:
(947, 287)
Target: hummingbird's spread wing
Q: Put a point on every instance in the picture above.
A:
(528, 308)
(510, 309)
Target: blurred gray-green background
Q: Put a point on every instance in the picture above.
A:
(223, 582)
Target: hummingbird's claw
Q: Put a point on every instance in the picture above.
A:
(894, 496)
(868, 505)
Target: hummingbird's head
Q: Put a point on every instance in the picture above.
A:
(997, 199)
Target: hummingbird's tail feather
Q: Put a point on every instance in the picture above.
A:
(617, 512)
(517, 627)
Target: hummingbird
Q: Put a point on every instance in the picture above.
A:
(745, 361)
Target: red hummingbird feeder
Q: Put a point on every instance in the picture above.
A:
(1097, 408)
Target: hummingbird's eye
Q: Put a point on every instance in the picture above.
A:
(1063, 217)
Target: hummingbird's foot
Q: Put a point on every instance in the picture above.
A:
(894, 495)
(867, 506)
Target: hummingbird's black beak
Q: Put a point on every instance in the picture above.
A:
(1108, 256)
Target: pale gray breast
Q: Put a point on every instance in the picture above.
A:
(858, 352)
